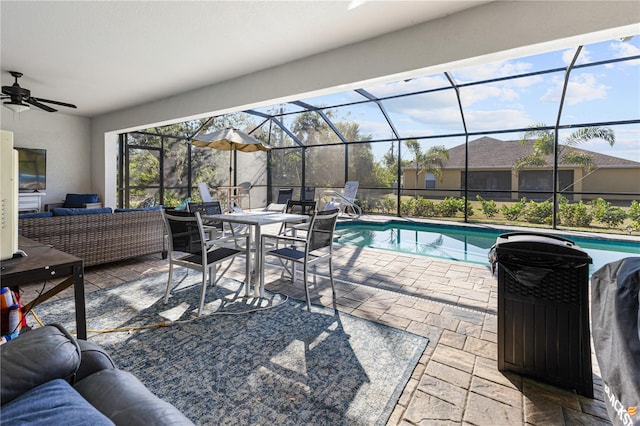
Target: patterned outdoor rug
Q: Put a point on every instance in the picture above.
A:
(238, 365)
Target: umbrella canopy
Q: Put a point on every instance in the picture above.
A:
(230, 139)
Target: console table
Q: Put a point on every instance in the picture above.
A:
(30, 201)
(44, 262)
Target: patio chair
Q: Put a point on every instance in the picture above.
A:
(244, 189)
(298, 207)
(284, 195)
(211, 207)
(191, 247)
(344, 201)
(315, 247)
(308, 193)
(205, 194)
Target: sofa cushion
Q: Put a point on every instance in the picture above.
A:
(52, 403)
(141, 209)
(61, 211)
(32, 215)
(79, 200)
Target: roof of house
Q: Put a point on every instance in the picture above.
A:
(494, 153)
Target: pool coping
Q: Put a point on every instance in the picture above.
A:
(375, 219)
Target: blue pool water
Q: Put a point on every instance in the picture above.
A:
(467, 244)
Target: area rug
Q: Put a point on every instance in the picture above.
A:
(248, 361)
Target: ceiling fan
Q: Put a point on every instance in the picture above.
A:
(20, 98)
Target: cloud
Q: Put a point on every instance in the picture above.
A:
(583, 58)
(582, 87)
(493, 70)
(623, 50)
(412, 85)
(491, 120)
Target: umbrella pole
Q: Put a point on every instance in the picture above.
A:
(230, 167)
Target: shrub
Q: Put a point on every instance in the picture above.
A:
(539, 212)
(515, 211)
(598, 207)
(407, 206)
(368, 205)
(489, 208)
(575, 214)
(425, 208)
(607, 214)
(469, 209)
(634, 215)
(634, 211)
(450, 206)
(389, 205)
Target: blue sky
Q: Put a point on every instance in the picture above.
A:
(599, 93)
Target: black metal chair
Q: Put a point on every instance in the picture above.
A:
(298, 207)
(308, 193)
(207, 208)
(191, 246)
(284, 195)
(315, 247)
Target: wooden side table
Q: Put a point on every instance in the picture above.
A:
(44, 262)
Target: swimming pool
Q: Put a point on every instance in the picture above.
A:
(462, 243)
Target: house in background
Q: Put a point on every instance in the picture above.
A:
(491, 175)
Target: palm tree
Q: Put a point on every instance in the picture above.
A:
(544, 140)
(432, 161)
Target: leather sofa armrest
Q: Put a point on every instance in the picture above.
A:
(120, 396)
(36, 357)
(93, 359)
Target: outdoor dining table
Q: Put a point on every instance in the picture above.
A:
(255, 220)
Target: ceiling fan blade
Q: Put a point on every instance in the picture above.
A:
(35, 103)
(55, 102)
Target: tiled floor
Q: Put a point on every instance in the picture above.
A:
(454, 304)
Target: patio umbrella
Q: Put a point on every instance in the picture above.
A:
(230, 140)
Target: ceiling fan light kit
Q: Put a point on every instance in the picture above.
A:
(20, 99)
(16, 107)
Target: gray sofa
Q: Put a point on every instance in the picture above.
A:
(48, 377)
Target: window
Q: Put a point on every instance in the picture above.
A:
(430, 181)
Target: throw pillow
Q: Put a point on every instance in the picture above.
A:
(79, 200)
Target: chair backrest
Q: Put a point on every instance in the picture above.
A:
(284, 195)
(350, 190)
(322, 227)
(204, 192)
(308, 193)
(183, 231)
(212, 207)
(301, 207)
(245, 186)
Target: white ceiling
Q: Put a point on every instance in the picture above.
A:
(109, 55)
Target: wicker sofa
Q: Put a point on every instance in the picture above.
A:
(100, 238)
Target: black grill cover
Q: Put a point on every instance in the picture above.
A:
(615, 293)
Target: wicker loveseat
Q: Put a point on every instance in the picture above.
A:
(100, 238)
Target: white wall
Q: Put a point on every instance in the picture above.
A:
(487, 33)
(66, 139)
